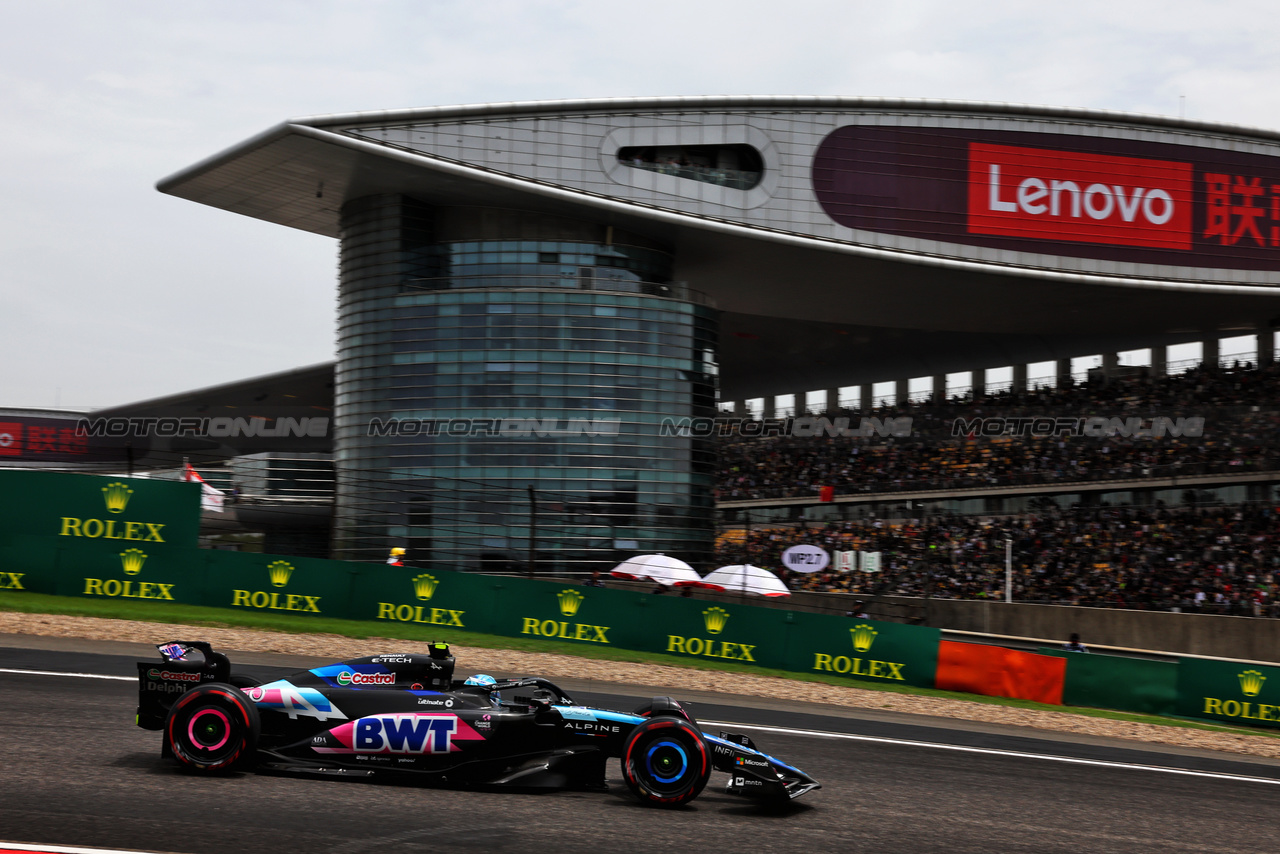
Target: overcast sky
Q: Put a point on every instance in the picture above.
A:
(114, 293)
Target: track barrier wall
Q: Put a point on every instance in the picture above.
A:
(1117, 682)
(998, 672)
(132, 538)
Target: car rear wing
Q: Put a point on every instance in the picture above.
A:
(161, 683)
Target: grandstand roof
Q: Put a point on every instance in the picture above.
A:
(832, 270)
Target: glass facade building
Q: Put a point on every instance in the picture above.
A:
(506, 390)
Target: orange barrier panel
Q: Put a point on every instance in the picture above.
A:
(999, 672)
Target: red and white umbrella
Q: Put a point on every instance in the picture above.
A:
(669, 571)
(745, 578)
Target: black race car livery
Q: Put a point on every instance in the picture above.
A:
(404, 713)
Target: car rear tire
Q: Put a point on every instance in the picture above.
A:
(665, 762)
(213, 729)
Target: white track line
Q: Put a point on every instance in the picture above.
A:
(77, 675)
(60, 849)
(1098, 763)
(994, 752)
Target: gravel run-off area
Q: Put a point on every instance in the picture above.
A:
(550, 665)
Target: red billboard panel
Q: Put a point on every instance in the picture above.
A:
(10, 439)
(1094, 198)
(1056, 194)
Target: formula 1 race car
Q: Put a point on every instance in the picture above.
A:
(404, 713)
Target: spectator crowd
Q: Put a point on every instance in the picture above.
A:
(1220, 560)
(1241, 433)
(1207, 559)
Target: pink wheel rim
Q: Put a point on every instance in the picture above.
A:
(226, 729)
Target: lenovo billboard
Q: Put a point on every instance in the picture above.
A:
(1089, 197)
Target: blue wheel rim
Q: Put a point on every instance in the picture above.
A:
(663, 757)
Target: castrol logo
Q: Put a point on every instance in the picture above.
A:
(173, 676)
(346, 677)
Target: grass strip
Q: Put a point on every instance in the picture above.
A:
(198, 615)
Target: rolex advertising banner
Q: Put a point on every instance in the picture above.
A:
(719, 631)
(128, 571)
(280, 585)
(592, 616)
(401, 594)
(76, 534)
(1244, 694)
(133, 511)
(869, 650)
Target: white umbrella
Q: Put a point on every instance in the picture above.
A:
(745, 578)
(670, 571)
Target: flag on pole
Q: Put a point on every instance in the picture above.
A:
(210, 498)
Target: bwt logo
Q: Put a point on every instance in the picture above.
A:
(802, 428)
(217, 428)
(507, 428)
(405, 734)
(1072, 195)
(1097, 427)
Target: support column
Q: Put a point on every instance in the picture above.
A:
(939, 388)
(1266, 346)
(1063, 372)
(1209, 355)
(1159, 361)
(865, 400)
(740, 408)
(769, 407)
(833, 399)
(901, 392)
(1110, 361)
(1020, 377)
(802, 404)
(979, 382)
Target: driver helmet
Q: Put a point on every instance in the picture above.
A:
(485, 680)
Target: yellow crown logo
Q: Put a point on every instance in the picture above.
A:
(569, 602)
(132, 560)
(715, 618)
(279, 571)
(1251, 682)
(863, 637)
(424, 586)
(117, 496)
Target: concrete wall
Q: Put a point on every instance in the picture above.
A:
(1249, 638)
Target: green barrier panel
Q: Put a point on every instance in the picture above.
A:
(869, 650)
(439, 598)
(153, 572)
(28, 564)
(713, 631)
(592, 616)
(80, 507)
(1244, 694)
(1117, 682)
(271, 583)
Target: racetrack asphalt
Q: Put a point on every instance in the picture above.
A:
(76, 771)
